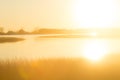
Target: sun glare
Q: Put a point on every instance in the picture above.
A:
(94, 50)
(94, 13)
(93, 34)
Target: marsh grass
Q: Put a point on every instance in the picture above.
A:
(10, 39)
(58, 69)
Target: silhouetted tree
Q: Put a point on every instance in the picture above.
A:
(22, 31)
(1, 29)
(10, 32)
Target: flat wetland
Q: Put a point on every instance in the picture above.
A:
(57, 58)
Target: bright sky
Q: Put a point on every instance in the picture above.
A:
(30, 14)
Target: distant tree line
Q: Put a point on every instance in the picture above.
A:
(40, 31)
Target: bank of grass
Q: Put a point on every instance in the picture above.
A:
(58, 69)
(10, 39)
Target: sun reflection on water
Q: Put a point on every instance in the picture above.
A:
(95, 50)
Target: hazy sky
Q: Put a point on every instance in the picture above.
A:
(29, 14)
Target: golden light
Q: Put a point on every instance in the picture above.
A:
(94, 13)
(93, 34)
(94, 50)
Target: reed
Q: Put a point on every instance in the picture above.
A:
(57, 69)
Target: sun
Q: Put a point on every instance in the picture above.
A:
(94, 50)
(94, 13)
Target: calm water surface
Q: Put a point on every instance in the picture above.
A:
(33, 47)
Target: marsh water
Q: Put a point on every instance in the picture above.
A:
(35, 47)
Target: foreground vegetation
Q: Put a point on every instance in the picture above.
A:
(58, 69)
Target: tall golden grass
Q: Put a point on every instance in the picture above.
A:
(58, 69)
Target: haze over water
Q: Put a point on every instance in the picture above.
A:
(33, 47)
(59, 40)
